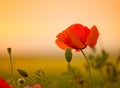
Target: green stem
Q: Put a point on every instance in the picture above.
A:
(12, 74)
(69, 65)
(31, 80)
(89, 69)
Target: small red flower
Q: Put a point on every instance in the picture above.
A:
(35, 86)
(77, 37)
(4, 84)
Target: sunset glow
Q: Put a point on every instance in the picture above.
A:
(31, 26)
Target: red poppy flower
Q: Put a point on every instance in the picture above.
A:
(35, 86)
(4, 84)
(77, 37)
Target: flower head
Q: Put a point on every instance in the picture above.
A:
(77, 37)
(4, 84)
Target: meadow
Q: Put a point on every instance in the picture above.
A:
(57, 74)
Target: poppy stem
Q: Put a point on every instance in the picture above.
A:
(69, 65)
(89, 69)
(33, 81)
(12, 73)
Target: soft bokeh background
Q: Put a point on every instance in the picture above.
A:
(31, 26)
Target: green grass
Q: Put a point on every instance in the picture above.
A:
(53, 67)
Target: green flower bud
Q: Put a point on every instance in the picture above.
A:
(68, 55)
(22, 72)
(9, 50)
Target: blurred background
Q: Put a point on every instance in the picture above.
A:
(30, 27)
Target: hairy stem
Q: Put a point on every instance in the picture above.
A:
(89, 69)
(69, 65)
(33, 81)
(12, 74)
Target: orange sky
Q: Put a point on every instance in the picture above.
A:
(31, 26)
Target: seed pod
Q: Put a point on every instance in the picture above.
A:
(9, 50)
(21, 81)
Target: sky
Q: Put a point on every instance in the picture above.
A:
(31, 26)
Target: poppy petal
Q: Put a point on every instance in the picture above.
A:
(80, 31)
(61, 44)
(75, 40)
(63, 36)
(92, 37)
(37, 86)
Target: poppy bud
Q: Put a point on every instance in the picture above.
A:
(22, 72)
(9, 50)
(68, 55)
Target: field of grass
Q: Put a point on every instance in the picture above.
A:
(50, 64)
(53, 66)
